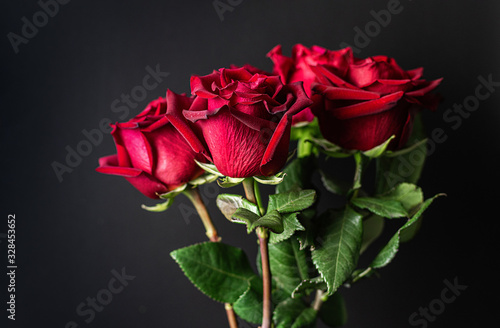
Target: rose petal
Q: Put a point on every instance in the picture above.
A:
(277, 150)
(385, 87)
(228, 75)
(174, 158)
(142, 181)
(407, 128)
(336, 93)
(428, 88)
(416, 73)
(109, 165)
(365, 132)
(158, 123)
(303, 117)
(176, 105)
(253, 122)
(130, 141)
(236, 149)
(282, 64)
(302, 101)
(202, 85)
(330, 78)
(367, 107)
(364, 72)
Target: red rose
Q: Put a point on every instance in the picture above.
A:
(369, 100)
(151, 154)
(300, 67)
(244, 120)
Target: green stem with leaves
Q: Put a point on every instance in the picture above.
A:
(252, 193)
(211, 232)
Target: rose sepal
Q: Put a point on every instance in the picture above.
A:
(174, 192)
(160, 207)
(169, 196)
(406, 150)
(330, 149)
(271, 180)
(228, 182)
(210, 168)
(379, 150)
(203, 179)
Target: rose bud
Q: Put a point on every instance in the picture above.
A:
(300, 67)
(244, 119)
(370, 100)
(151, 154)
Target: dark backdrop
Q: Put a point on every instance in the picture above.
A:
(68, 78)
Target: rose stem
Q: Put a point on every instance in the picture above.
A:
(195, 198)
(266, 277)
(252, 193)
(231, 317)
(318, 300)
(248, 185)
(357, 174)
(211, 232)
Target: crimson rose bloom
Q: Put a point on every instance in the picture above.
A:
(151, 154)
(300, 67)
(368, 100)
(244, 120)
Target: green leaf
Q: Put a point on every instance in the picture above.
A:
(373, 227)
(289, 265)
(410, 232)
(242, 215)
(337, 254)
(294, 313)
(409, 195)
(290, 225)
(272, 180)
(210, 168)
(386, 208)
(307, 318)
(249, 305)
(220, 271)
(307, 238)
(378, 150)
(228, 204)
(298, 175)
(389, 251)
(159, 207)
(291, 201)
(272, 220)
(330, 149)
(309, 285)
(228, 182)
(333, 312)
(333, 185)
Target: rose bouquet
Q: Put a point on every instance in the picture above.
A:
(240, 126)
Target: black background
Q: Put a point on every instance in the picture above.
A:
(70, 235)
